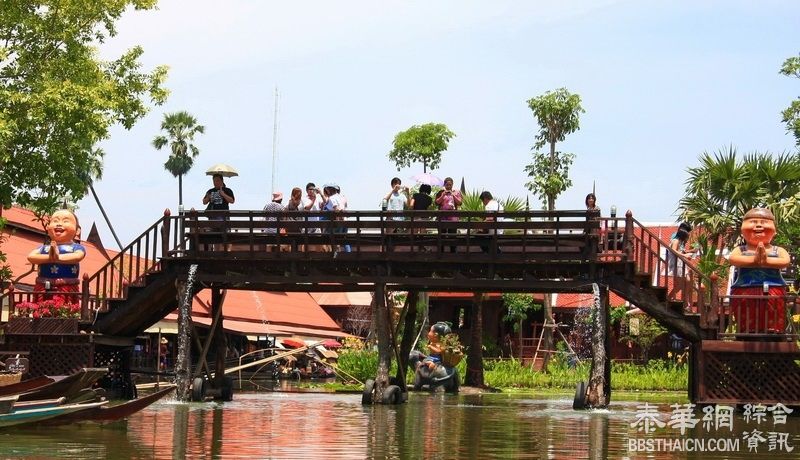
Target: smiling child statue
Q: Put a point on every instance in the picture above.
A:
(59, 261)
(759, 266)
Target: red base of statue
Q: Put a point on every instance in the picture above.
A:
(765, 315)
(67, 293)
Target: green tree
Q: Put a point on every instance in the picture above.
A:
(421, 143)
(58, 99)
(549, 180)
(724, 187)
(642, 330)
(791, 115)
(180, 129)
(518, 305)
(558, 114)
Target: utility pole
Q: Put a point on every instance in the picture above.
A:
(274, 142)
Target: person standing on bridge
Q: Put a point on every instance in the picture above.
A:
(219, 197)
(448, 199)
(397, 200)
(312, 203)
(491, 206)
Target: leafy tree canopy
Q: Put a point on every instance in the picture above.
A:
(421, 143)
(724, 187)
(58, 99)
(558, 114)
(518, 305)
(791, 116)
(180, 129)
(546, 182)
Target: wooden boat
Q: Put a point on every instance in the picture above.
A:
(39, 403)
(25, 385)
(68, 387)
(107, 414)
(38, 414)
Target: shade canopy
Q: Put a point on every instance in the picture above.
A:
(427, 178)
(293, 343)
(223, 170)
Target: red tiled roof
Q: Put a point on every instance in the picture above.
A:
(572, 300)
(278, 309)
(464, 295)
(22, 218)
(342, 299)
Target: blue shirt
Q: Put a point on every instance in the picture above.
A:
(56, 270)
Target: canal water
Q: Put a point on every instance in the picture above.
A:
(429, 426)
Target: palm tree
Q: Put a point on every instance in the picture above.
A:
(723, 188)
(179, 130)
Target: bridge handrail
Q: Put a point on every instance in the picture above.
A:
(685, 283)
(381, 229)
(141, 257)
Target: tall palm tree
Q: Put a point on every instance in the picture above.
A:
(179, 130)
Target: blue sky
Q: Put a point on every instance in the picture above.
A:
(661, 82)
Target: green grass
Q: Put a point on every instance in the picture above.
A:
(656, 375)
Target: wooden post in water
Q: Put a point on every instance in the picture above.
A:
(219, 337)
(599, 391)
(382, 325)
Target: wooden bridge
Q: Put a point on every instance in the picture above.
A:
(532, 251)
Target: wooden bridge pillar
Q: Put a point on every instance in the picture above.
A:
(599, 391)
(382, 324)
(218, 337)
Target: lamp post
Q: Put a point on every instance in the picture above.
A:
(614, 234)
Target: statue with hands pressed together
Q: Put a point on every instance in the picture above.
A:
(59, 260)
(759, 263)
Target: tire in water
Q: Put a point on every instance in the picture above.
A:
(579, 402)
(366, 396)
(392, 395)
(198, 389)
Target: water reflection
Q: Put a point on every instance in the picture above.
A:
(297, 425)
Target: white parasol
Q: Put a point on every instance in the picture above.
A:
(223, 170)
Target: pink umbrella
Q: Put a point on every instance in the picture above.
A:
(330, 343)
(427, 178)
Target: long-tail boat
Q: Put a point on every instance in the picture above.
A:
(25, 385)
(37, 414)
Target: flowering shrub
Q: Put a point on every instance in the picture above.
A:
(52, 308)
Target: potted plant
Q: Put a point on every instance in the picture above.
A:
(452, 350)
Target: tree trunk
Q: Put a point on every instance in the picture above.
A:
(547, 346)
(599, 392)
(474, 375)
(382, 325)
(409, 331)
(180, 191)
(547, 336)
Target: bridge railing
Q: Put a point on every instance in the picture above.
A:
(681, 280)
(130, 265)
(567, 235)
